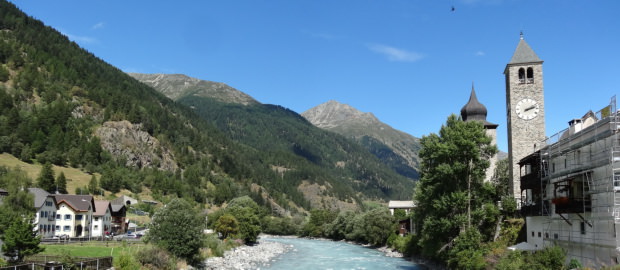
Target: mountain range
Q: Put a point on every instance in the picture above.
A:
(200, 140)
(396, 149)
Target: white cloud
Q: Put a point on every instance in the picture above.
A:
(395, 54)
(80, 39)
(98, 25)
(480, 53)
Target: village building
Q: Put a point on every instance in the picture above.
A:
(404, 225)
(74, 215)
(102, 218)
(119, 211)
(571, 189)
(45, 215)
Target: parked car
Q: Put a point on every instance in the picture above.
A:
(61, 236)
(131, 236)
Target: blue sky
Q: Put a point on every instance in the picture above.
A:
(409, 62)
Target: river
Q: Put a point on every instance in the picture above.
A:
(326, 254)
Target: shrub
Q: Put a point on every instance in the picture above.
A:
(127, 262)
(155, 258)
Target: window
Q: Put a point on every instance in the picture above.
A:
(532, 233)
(58, 227)
(96, 227)
(58, 216)
(48, 203)
(530, 75)
(67, 217)
(521, 75)
(66, 228)
(539, 234)
(78, 217)
(583, 227)
(96, 218)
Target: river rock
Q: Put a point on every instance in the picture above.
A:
(248, 257)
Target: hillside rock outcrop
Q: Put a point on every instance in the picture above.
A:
(139, 149)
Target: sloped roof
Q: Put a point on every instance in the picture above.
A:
(401, 204)
(117, 207)
(524, 54)
(39, 196)
(79, 203)
(123, 200)
(101, 207)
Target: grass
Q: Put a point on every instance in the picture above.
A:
(92, 249)
(75, 177)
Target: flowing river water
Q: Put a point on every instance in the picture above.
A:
(326, 254)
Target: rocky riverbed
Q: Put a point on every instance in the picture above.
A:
(249, 257)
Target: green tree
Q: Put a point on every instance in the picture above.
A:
(227, 225)
(178, 228)
(20, 240)
(46, 179)
(93, 185)
(61, 183)
(450, 193)
(317, 224)
(377, 225)
(247, 213)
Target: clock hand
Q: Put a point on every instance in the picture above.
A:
(529, 108)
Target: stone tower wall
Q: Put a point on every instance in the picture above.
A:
(524, 136)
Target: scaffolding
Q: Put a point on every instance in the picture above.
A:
(574, 179)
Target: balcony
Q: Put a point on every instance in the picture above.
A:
(531, 181)
(565, 205)
(535, 210)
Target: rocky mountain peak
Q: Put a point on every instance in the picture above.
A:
(333, 113)
(177, 86)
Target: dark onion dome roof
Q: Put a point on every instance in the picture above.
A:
(475, 111)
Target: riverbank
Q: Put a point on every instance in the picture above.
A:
(248, 257)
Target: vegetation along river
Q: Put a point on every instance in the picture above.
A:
(327, 254)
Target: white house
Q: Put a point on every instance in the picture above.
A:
(102, 218)
(570, 188)
(45, 206)
(74, 215)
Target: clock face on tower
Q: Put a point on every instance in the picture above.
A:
(527, 109)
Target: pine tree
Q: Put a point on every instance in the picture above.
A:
(20, 240)
(61, 183)
(93, 185)
(46, 178)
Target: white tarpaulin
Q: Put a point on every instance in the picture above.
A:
(522, 246)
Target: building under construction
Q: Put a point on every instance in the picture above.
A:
(570, 189)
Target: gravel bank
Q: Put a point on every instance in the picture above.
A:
(248, 257)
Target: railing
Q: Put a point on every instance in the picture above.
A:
(44, 262)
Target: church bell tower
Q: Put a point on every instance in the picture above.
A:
(525, 108)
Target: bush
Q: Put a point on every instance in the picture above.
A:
(549, 258)
(155, 258)
(402, 244)
(513, 260)
(127, 262)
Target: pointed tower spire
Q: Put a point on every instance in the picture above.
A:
(524, 54)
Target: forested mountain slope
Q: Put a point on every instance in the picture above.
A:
(288, 141)
(63, 105)
(396, 149)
